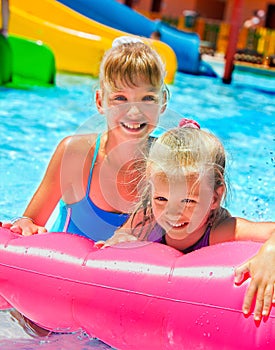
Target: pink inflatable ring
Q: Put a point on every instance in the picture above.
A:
(133, 296)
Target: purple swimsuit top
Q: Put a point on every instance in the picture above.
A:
(158, 235)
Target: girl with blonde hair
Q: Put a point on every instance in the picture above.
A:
(181, 206)
(92, 175)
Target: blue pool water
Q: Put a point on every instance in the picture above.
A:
(34, 121)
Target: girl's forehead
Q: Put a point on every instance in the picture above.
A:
(180, 186)
(172, 181)
(141, 84)
(175, 177)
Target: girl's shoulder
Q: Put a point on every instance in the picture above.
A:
(74, 149)
(73, 158)
(223, 229)
(78, 143)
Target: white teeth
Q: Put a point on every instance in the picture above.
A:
(178, 225)
(132, 126)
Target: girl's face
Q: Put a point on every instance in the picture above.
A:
(132, 111)
(182, 207)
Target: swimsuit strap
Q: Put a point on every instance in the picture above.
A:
(202, 242)
(97, 145)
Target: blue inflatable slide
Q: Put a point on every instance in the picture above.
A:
(121, 17)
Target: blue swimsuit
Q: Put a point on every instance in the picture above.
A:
(85, 218)
(158, 235)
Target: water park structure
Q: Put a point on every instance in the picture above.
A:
(78, 36)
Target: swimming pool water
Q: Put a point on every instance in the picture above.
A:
(241, 114)
(34, 121)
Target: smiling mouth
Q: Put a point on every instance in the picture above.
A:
(136, 126)
(181, 225)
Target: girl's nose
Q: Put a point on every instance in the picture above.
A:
(174, 209)
(133, 111)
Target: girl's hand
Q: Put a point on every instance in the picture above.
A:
(261, 269)
(118, 237)
(24, 227)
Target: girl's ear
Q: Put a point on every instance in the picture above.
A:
(99, 102)
(217, 197)
(164, 101)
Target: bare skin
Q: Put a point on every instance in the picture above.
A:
(114, 176)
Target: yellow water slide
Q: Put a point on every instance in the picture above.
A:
(78, 42)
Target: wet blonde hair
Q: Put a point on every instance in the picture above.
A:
(187, 151)
(184, 152)
(130, 62)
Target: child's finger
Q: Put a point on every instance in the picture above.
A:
(259, 304)
(241, 273)
(268, 296)
(16, 229)
(100, 244)
(27, 232)
(249, 297)
(41, 229)
(30, 230)
(6, 224)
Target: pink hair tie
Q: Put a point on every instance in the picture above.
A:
(189, 123)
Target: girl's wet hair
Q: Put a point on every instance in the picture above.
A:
(184, 152)
(187, 151)
(129, 63)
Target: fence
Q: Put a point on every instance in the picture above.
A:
(254, 45)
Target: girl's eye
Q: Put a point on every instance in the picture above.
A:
(119, 98)
(189, 201)
(150, 98)
(160, 199)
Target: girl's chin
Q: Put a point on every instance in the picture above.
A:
(177, 236)
(182, 234)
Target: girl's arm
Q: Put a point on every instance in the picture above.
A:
(239, 229)
(63, 178)
(122, 234)
(260, 268)
(254, 231)
(44, 199)
(125, 233)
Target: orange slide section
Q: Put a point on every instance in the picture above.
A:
(78, 42)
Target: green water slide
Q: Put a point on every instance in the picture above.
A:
(25, 63)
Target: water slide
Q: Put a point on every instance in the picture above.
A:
(78, 42)
(121, 17)
(25, 63)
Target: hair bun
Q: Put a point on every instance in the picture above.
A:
(125, 40)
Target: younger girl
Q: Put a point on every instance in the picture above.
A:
(180, 206)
